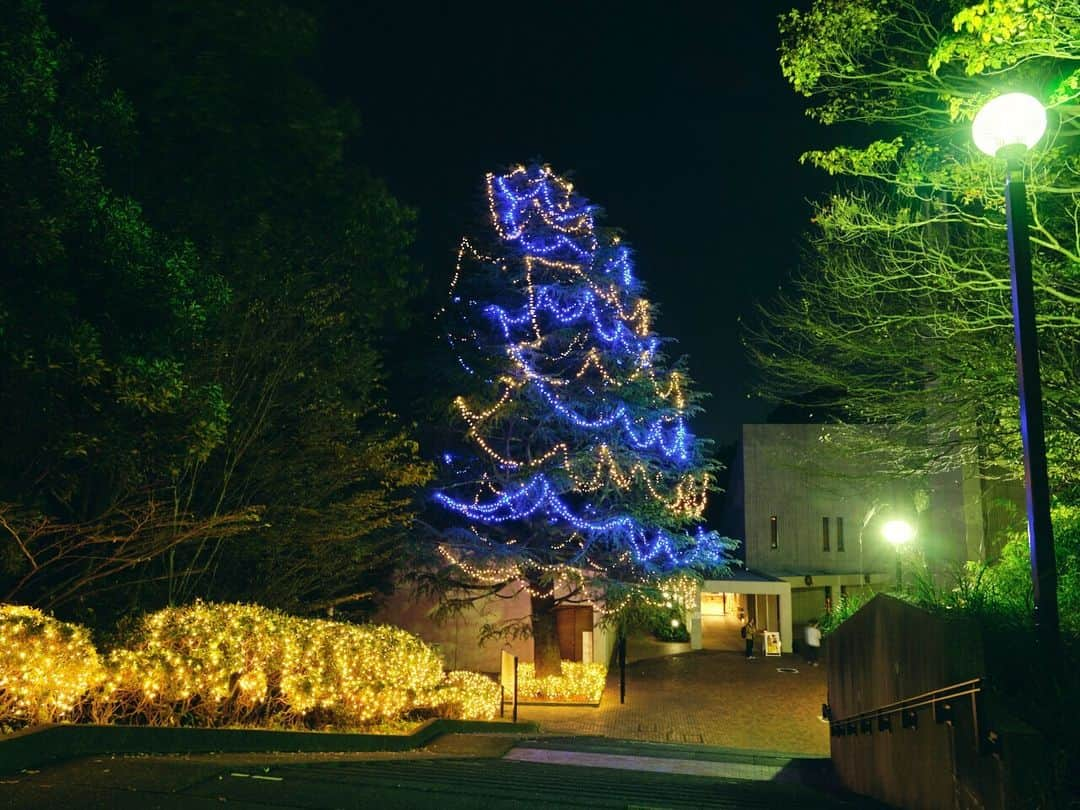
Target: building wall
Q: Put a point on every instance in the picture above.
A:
(789, 474)
(799, 474)
(458, 638)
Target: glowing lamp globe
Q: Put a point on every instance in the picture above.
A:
(1009, 120)
(898, 532)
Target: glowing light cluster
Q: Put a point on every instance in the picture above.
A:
(225, 662)
(46, 667)
(577, 366)
(577, 682)
(228, 664)
(469, 696)
(658, 549)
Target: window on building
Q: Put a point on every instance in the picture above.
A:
(839, 534)
(774, 533)
(824, 534)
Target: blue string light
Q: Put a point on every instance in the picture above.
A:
(657, 550)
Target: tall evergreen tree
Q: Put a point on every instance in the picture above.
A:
(578, 479)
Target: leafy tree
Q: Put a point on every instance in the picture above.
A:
(240, 149)
(902, 317)
(102, 317)
(577, 479)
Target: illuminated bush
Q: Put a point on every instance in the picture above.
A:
(215, 665)
(46, 667)
(578, 682)
(226, 664)
(468, 696)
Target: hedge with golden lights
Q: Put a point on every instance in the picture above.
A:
(469, 696)
(47, 667)
(229, 664)
(207, 664)
(578, 682)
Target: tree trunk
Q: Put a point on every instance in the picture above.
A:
(546, 656)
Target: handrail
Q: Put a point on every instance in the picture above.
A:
(851, 724)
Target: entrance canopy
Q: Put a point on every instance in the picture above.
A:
(772, 600)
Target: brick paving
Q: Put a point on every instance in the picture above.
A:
(708, 697)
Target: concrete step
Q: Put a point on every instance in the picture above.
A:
(509, 783)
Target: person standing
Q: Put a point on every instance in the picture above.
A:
(813, 642)
(748, 634)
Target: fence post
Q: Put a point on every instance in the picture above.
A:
(622, 668)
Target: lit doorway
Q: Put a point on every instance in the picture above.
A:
(721, 619)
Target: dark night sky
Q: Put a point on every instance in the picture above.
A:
(675, 120)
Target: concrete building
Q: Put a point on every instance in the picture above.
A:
(810, 519)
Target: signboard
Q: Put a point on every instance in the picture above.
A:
(772, 642)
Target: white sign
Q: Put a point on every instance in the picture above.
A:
(509, 664)
(772, 642)
(586, 647)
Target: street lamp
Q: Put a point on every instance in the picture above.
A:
(899, 533)
(1007, 127)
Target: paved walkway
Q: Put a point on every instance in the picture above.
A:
(707, 697)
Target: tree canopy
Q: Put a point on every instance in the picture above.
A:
(902, 315)
(223, 336)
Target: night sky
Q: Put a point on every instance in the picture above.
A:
(675, 120)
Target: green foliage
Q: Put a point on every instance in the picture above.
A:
(843, 609)
(997, 34)
(663, 629)
(240, 152)
(901, 317)
(103, 317)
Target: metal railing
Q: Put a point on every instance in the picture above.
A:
(942, 702)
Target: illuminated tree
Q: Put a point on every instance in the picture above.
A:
(578, 479)
(902, 317)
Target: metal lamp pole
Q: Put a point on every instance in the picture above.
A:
(1036, 479)
(1007, 127)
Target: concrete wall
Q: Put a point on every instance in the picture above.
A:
(808, 601)
(789, 471)
(458, 638)
(890, 651)
(802, 473)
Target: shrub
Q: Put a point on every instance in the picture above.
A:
(578, 682)
(843, 609)
(208, 664)
(468, 696)
(231, 664)
(47, 667)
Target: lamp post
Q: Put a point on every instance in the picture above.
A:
(1007, 127)
(899, 533)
